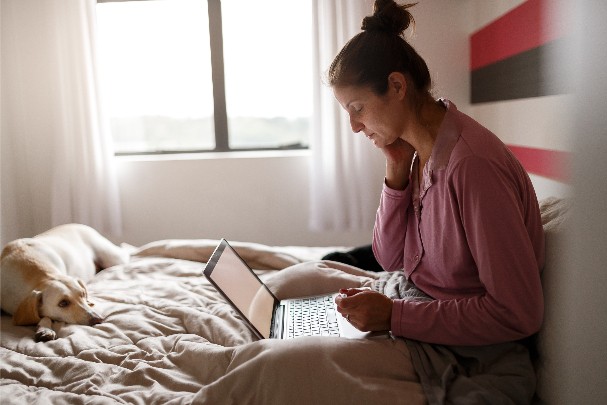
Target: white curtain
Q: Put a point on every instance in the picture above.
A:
(346, 169)
(57, 157)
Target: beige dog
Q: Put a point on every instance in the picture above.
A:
(42, 278)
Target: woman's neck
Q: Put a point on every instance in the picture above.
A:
(423, 130)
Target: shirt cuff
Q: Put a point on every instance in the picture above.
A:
(396, 194)
(396, 317)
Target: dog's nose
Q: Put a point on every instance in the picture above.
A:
(95, 320)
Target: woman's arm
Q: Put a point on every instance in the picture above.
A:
(391, 218)
(399, 156)
(507, 247)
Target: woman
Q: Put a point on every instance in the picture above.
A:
(458, 213)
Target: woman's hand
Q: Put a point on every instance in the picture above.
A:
(398, 151)
(366, 310)
(399, 155)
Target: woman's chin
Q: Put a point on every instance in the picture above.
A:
(378, 143)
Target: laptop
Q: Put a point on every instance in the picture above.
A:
(268, 317)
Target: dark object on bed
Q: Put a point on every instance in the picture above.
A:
(361, 257)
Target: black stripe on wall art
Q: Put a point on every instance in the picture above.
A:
(541, 71)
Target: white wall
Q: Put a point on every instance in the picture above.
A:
(582, 362)
(538, 122)
(260, 197)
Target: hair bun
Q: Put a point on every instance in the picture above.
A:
(388, 17)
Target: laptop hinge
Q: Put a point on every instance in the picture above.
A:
(277, 327)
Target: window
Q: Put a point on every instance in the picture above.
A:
(206, 75)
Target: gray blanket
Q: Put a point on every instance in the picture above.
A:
(494, 374)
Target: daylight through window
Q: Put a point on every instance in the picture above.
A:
(192, 75)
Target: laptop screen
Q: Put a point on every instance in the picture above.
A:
(239, 284)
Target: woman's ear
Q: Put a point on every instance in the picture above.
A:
(398, 83)
(27, 312)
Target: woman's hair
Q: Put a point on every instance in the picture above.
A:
(370, 56)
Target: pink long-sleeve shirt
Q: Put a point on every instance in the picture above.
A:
(470, 236)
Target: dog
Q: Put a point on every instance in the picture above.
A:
(42, 278)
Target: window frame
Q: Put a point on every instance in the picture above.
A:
(220, 115)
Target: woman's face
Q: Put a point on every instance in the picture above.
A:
(380, 118)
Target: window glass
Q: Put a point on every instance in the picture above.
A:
(267, 56)
(156, 74)
(154, 58)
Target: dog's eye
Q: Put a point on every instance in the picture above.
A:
(64, 303)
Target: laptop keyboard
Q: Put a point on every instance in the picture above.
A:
(314, 316)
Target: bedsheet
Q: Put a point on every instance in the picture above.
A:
(170, 338)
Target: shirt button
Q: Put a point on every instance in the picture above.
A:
(416, 258)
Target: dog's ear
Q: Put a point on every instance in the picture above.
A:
(27, 313)
(86, 293)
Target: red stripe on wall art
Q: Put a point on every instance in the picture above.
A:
(553, 164)
(533, 23)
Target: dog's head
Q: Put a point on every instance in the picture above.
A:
(64, 300)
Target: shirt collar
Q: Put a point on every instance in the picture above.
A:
(448, 134)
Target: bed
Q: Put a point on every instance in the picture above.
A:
(170, 338)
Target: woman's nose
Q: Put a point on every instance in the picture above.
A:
(357, 126)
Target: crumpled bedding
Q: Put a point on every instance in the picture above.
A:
(170, 338)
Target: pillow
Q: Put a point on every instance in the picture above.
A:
(257, 256)
(555, 219)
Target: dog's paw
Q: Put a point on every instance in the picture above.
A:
(44, 335)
